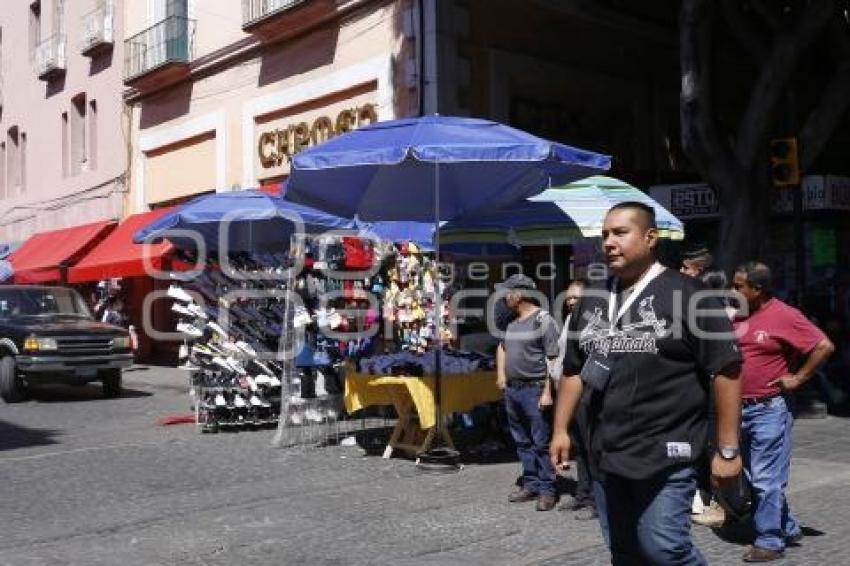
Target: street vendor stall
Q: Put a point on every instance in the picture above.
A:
(432, 168)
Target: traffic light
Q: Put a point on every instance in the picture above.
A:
(784, 162)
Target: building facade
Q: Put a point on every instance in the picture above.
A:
(64, 136)
(221, 94)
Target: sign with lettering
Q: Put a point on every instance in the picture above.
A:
(820, 192)
(276, 145)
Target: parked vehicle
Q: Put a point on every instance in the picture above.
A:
(48, 335)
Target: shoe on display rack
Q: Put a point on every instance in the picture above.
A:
(176, 292)
(189, 330)
(197, 311)
(181, 308)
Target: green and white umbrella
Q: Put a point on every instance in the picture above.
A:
(557, 216)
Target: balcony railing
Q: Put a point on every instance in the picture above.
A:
(256, 11)
(50, 57)
(168, 41)
(98, 28)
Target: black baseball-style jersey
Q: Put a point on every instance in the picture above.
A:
(651, 373)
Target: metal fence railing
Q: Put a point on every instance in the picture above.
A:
(168, 41)
(254, 11)
(97, 26)
(50, 55)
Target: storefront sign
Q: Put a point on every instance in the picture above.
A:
(276, 147)
(820, 192)
(694, 202)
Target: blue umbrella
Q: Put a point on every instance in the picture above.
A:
(433, 167)
(421, 233)
(257, 220)
(7, 249)
(7, 270)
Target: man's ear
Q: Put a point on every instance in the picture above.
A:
(652, 237)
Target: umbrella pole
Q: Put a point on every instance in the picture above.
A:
(554, 278)
(286, 378)
(438, 373)
(443, 458)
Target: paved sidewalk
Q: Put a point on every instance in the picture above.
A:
(97, 482)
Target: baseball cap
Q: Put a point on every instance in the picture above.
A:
(696, 249)
(517, 281)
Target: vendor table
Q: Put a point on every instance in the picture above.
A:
(460, 393)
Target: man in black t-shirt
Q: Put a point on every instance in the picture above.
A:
(644, 345)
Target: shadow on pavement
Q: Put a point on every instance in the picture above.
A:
(743, 532)
(13, 436)
(71, 394)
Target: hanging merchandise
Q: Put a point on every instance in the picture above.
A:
(358, 253)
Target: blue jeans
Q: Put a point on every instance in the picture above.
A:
(531, 432)
(766, 450)
(648, 521)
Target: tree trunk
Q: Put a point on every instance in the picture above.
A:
(743, 222)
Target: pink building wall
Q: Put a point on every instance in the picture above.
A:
(51, 197)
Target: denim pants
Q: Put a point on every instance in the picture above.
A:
(766, 451)
(648, 521)
(532, 432)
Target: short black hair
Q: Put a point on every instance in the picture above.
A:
(715, 279)
(647, 210)
(581, 281)
(758, 275)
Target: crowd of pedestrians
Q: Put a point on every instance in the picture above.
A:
(669, 389)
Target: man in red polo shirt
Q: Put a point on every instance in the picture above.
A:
(774, 338)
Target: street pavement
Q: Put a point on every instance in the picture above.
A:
(90, 481)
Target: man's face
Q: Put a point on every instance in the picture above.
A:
(573, 295)
(627, 241)
(690, 268)
(512, 299)
(743, 287)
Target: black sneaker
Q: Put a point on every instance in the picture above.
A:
(794, 539)
(546, 502)
(759, 554)
(522, 495)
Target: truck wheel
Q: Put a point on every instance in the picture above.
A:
(111, 383)
(11, 385)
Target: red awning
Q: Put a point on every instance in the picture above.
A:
(274, 189)
(42, 257)
(119, 256)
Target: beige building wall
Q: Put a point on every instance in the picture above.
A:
(60, 184)
(202, 132)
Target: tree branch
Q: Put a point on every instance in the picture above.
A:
(823, 120)
(706, 149)
(747, 35)
(767, 10)
(775, 74)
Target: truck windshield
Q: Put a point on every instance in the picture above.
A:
(42, 302)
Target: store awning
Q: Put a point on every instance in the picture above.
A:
(118, 256)
(41, 258)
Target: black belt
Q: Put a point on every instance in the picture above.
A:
(759, 400)
(520, 383)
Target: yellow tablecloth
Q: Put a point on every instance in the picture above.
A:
(460, 393)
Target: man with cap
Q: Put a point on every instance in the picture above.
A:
(529, 345)
(696, 261)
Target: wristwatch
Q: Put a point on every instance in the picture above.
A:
(728, 452)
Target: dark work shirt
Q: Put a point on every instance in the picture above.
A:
(653, 412)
